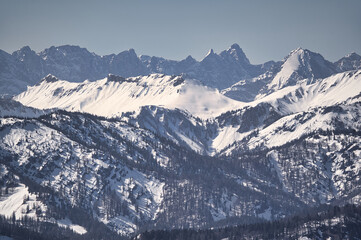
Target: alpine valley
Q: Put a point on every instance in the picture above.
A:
(126, 146)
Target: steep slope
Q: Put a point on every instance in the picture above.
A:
(113, 95)
(298, 65)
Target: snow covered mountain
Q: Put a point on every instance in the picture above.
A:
(133, 178)
(228, 69)
(301, 64)
(162, 151)
(113, 95)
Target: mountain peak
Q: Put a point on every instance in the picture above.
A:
(190, 58)
(235, 46)
(297, 51)
(49, 79)
(23, 53)
(64, 50)
(25, 49)
(132, 51)
(237, 53)
(301, 64)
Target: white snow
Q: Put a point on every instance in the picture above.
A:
(20, 202)
(226, 136)
(66, 223)
(273, 156)
(291, 64)
(326, 92)
(110, 98)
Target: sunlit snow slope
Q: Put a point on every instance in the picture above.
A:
(301, 64)
(114, 95)
(326, 92)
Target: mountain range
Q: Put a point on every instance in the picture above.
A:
(230, 70)
(121, 144)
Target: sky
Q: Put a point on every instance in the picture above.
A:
(264, 29)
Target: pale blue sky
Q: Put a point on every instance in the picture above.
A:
(265, 29)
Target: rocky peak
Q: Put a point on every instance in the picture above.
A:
(50, 79)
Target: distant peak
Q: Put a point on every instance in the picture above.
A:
(237, 53)
(297, 51)
(49, 78)
(25, 49)
(132, 51)
(235, 46)
(129, 52)
(190, 58)
(70, 47)
(64, 49)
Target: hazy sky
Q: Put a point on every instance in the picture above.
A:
(265, 29)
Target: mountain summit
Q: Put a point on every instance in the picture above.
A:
(301, 64)
(236, 52)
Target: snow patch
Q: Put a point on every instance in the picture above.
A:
(66, 223)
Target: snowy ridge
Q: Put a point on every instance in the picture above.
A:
(289, 104)
(113, 95)
(289, 128)
(326, 92)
